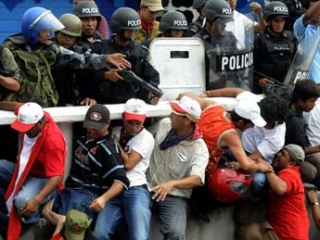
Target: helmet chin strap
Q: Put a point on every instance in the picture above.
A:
(123, 38)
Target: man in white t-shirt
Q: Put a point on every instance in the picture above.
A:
(136, 145)
(265, 142)
(241, 24)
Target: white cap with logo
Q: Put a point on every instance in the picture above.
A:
(28, 115)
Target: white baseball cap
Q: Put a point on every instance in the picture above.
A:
(250, 110)
(28, 115)
(135, 109)
(188, 107)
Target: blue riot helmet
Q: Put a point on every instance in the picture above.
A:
(36, 19)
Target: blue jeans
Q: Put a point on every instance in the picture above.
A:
(172, 213)
(132, 204)
(30, 188)
(78, 199)
(259, 181)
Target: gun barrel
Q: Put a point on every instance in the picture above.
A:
(131, 76)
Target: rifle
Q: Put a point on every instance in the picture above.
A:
(132, 77)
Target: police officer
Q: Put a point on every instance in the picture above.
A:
(274, 48)
(173, 24)
(213, 34)
(115, 89)
(66, 79)
(35, 54)
(90, 16)
(93, 42)
(199, 23)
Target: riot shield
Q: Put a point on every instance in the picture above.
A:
(231, 53)
(301, 63)
(180, 63)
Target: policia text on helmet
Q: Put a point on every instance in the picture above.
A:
(123, 19)
(276, 11)
(88, 11)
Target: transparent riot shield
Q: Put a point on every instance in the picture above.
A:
(231, 53)
(301, 63)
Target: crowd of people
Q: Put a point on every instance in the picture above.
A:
(123, 172)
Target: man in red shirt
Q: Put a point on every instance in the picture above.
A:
(286, 214)
(26, 185)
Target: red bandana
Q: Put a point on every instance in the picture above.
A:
(146, 26)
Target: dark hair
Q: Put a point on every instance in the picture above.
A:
(304, 90)
(273, 109)
(235, 117)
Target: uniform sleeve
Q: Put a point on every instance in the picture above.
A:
(9, 66)
(66, 57)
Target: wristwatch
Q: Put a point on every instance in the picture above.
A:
(315, 204)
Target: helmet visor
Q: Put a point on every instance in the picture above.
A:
(46, 21)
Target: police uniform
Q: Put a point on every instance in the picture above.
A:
(273, 54)
(194, 27)
(8, 68)
(222, 42)
(35, 62)
(121, 91)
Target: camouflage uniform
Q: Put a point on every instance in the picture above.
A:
(8, 68)
(35, 63)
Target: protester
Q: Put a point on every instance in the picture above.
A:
(219, 126)
(97, 173)
(286, 214)
(177, 165)
(242, 25)
(150, 27)
(304, 97)
(313, 198)
(136, 145)
(39, 170)
(306, 29)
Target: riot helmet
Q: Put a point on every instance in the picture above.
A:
(125, 18)
(73, 25)
(214, 9)
(36, 19)
(228, 185)
(173, 20)
(275, 9)
(87, 9)
(196, 4)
